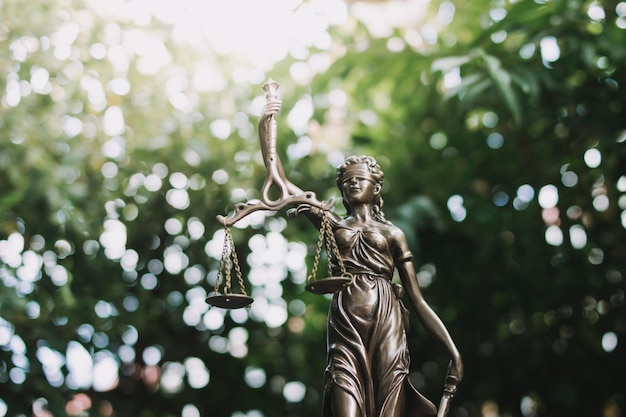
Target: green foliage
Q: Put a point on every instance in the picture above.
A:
(113, 168)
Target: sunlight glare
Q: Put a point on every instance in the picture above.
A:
(213, 319)
(457, 211)
(578, 236)
(381, 18)
(105, 371)
(79, 365)
(548, 196)
(592, 158)
(113, 121)
(452, 78)
(172, 377)
(198, 375)
(294, 391)
(52, 361)
(554, 235)
(276, 316)
(550, 50)
(299, 116)
(190, 410)
(152, 355)
(609, 341)
(255, 377)
(113, 238)
(257, 32)
(596, 12)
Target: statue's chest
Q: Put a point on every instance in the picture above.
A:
(350, 238)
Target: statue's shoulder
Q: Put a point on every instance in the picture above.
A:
(391, 231)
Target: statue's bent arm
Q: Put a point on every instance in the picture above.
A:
(429, 319)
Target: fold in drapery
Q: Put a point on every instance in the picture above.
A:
(368, 357)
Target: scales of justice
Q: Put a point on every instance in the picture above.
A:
(368, 358)
(290, 195)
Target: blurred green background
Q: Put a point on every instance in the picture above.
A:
(127, 126)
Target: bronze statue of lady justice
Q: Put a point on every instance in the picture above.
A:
(367, 372)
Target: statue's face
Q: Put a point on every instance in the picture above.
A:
(359, 189)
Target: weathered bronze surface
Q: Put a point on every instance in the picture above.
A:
(367, 372)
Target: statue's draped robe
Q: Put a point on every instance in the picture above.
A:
(368, 355)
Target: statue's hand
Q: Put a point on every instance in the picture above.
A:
(270, 109)
(295, 212)
(455, 369)
(454, 376)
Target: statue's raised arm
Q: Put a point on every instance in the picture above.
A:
(268, 137)
(289, 194)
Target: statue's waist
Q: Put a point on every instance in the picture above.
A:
(368, 274)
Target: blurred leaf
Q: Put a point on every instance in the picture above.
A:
(503, 82)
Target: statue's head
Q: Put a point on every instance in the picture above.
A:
(364, 167)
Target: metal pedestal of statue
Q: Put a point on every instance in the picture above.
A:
(368, 356)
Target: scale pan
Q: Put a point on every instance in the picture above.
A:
(328, 285)
(230, 301)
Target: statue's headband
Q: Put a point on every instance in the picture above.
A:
(359, 171)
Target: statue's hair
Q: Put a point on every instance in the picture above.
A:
(377, 176)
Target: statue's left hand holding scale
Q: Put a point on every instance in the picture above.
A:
(290, 194)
